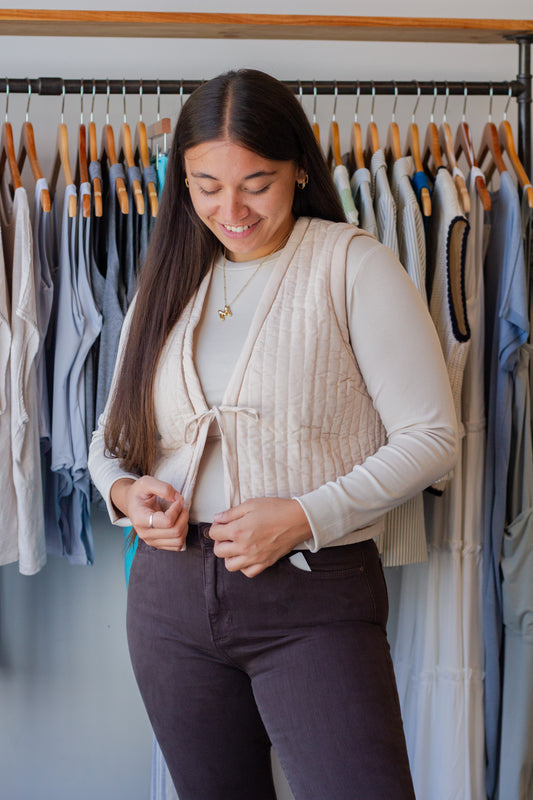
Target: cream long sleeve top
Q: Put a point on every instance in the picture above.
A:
(399, 356)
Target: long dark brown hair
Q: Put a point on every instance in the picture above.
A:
(258, 112)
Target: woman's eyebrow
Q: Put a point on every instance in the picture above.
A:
(261, 174)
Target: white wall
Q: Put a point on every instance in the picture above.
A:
(72, 726)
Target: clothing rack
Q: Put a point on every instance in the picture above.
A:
(519, 89)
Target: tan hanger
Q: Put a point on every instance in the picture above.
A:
(412, 148)
(356, 158)
(507, 145)
(109, 153)
(96, 183)
(490, 146)
(431, 150)
(316, 127)
(141, 150)
(372, 134)
(125, 150)
(463, 144)
(334, 154)
(446, 145)
(393, 148)
(82, 171)
(27, 149)
(7, 150)
(62, 162)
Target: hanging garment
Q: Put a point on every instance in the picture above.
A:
(506, 316)
(114, 304)
(160, 164)
(130, 266)
(515, 774)
(434, 682)
(384, 205)
(96, 264)
(29, 526)
(82, 549)
(62, 540)
(362, 196)
(8, 508)
(147, 220)
(42, 226)
(341, 179)
(404, 538)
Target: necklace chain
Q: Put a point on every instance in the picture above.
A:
(225, 312)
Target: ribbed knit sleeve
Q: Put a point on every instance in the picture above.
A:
(396, 346)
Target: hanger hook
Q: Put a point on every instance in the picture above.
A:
(510, 94)
(63, 95)
(314, 100)
(140, 99)
(418, 93)
(336, 97)
(29, 100)
(464, 103)
(446, 102)
(357, 98)
(181, 94)
(81, 102)
(491, 95)
(432, 115)
(108, 92)
(373, 102)
(395, 101)
(158, 101)
(92, 103)
(300, 92)
(7, 99)
(124, 98)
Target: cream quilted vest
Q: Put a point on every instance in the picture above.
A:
(296, 412)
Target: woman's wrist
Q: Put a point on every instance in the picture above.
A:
(119, 495)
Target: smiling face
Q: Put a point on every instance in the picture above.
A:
(244, 199)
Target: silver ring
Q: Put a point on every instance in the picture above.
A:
(151, 523)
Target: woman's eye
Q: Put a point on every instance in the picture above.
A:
(258, 191)
(204, 191)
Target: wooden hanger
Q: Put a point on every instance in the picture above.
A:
(431, 150)
(490, 145)
(7, 151)
(334, 154)
(316, 127)
(372, 133)
(96, 183)
(82, 170)
(356, 158)
(125, 151)
(28, 150)
(507, 145)
(412, 148)
(109, 153)
(446, 146)
(463, 144)
(393, 148)
(62, 162)
(142, 152)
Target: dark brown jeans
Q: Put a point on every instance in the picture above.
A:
(228, 665)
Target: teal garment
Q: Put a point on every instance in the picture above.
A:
(129, 552)
(160, 164)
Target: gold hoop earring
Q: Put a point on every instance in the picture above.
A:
(303, 183)
(187, 183)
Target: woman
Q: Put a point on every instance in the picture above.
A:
(279, 388)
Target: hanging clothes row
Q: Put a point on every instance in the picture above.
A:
(456, 557)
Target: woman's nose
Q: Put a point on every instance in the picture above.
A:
(234, 207)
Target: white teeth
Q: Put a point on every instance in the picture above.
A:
(236, 228)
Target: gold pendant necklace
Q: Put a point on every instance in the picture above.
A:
(225, 312)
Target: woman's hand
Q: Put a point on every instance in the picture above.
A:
(253, 535)
(149, 500)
